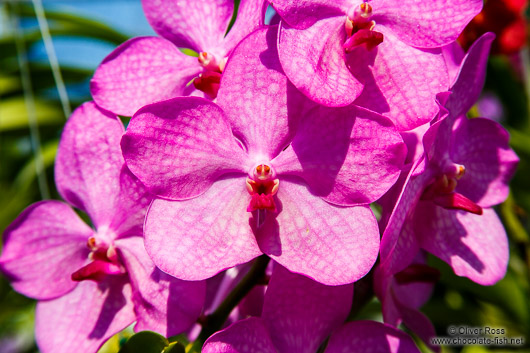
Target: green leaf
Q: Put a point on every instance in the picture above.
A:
(175, 347)
(62, 23)
(512, 223)
(520, 142)
(189, 52)
(9, 84)
(182, 339)
(145, 342)
(20, 193)
(14, 115)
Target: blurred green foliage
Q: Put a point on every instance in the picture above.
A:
(18, 177)
(455, 301)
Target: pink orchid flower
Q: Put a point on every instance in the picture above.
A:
(298, 315)
(256, 173)
(92, 283)
(402, 295)
(144, 70)
(445, 205)
(383, 54)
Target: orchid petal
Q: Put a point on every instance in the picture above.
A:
(262, 106)
(197, 238)
(252, 303)
(89, 162)
(416, 293)
(303, 13)
(453, 54)
(474, 246)
(250, 16)
(301, 313)
(425, 24)
(45, 244)
(162, 303)
(219, 286)
(470, 80)
(390, 309)
(131, 205)
(348, 156)
(179, 147)
(420, 324)
(245, 336)
(437, 138)
(195, 24)
(85, 318)
(314, 60)
(416, 321)
(370, 336)
(398, 244)
(141, 71)
(481, 145)
(400, 81)
(413, 139)
(332, 245)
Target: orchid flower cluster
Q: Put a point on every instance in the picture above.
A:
(271, 143)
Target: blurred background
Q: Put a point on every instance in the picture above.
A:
(49, 50)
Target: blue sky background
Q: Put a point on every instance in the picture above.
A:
(125, 16)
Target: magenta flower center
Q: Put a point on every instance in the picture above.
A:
(359, 29)
(104, 261)
(262, 185)
(209, 80)
(442, 191)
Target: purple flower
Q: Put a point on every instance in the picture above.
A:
(490, 106)
(298, 315)
(402, 295)
(256, 173)
(92, 283)
(445, 204)
(384, 54)
(149, 69)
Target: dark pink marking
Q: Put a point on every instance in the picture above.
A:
(417, 273)
(363, 37)
(262, 195)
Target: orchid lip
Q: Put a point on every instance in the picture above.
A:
(209, 80)
(103, 258)
(262, 185)
(97, 270)
(442, 191)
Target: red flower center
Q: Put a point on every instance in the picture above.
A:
(104, 262)
(209, 80)
(359, 29)
(262, 185)
(442, 192)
